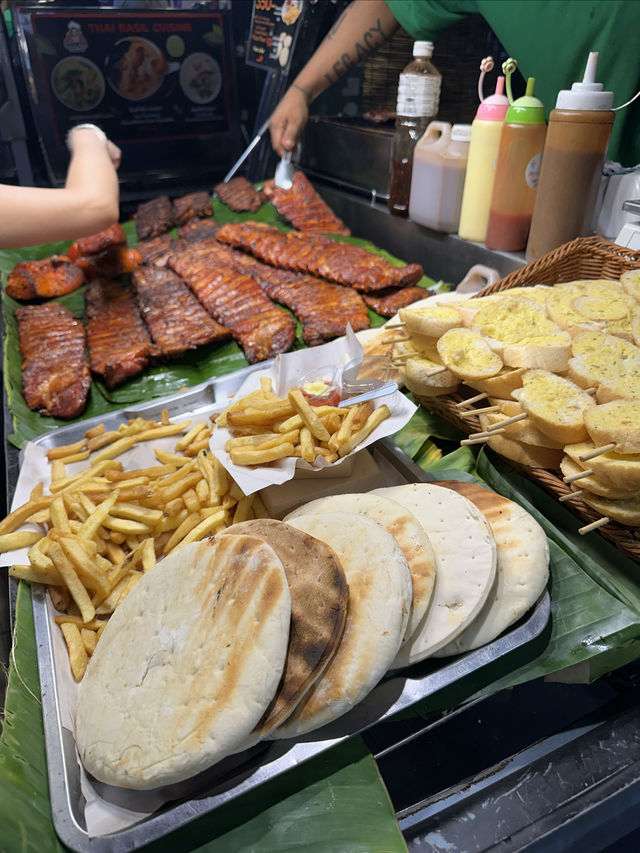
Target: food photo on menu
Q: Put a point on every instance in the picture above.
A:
(315, 537)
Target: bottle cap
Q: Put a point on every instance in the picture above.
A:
(527, 109)
(586, 95)
(494, 108)
(461, 133)
(423, 48)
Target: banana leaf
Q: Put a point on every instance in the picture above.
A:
(336, 803)
(158, 381)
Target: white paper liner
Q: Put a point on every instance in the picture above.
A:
(287, 372)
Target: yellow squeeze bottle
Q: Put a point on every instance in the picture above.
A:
(486, 129)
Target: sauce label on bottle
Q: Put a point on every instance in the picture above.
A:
(532, 172)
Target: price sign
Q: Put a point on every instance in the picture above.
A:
(273, 32)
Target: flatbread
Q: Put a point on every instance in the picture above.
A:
(403, 526)
(319, 598)
(379, 601)
(522, 571)
(466, 559)
(187, 664)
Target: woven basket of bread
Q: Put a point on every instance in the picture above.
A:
(582, 259)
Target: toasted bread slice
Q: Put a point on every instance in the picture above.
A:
(591, 305)
(555, 405)
(570, 468)
(468, 355)
(426, 378)
(525, 454)
(501, 385)
(618, 469)
(606, 362)
(625, 511)
(431, 321)
(630, 282)
(617, 422)
(469, 308)
(524, 430)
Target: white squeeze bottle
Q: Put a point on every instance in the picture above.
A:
(486, 129)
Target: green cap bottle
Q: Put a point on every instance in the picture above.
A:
(528, 109)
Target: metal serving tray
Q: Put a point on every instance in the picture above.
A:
(245, 771)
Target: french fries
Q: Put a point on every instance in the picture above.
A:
(105, 526)
(267, 428)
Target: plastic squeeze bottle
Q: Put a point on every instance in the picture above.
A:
(486, 130)
(517, 172)
(577, 140)
(418, 101)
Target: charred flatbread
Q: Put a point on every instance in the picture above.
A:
(319, 598)
(379, 601)
(187, 664)
(403, 526)
(522, 570)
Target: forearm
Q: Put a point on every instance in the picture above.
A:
(87, 204)
(360, 30)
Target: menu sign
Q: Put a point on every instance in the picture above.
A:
(148, 79)
(273, 32)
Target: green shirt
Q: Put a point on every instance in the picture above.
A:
(551, 40)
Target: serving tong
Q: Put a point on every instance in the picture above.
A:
(283, 177)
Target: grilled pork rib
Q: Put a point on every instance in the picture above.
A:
(176, 320)
(236, 301)
(191, 206)
(44, 279)
(119, 344)
(154, 217)
(239, 194)
(343, 263)
(389, 302)
(303, 208)
(55, 372)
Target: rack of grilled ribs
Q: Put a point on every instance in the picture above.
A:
(240, 195)
(156, 250)
(55, 372)
(236, 301)
(177, 322)
(389, 302)
(154, 217)
(96, 243)
(198, 229)
(44, 279)
(191, 206)
(119, 344)
(302, 206)
(343, 263)
(324, 309)
(105, 254)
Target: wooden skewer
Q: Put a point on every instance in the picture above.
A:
(594, 524)
(402, 355)
(470, 400)
(475, 440)
(484, 411)
(394, 325)
(487, 434)
(506, 421)
(571, 495)
(573, 477)
(590, 390)
(584, 457)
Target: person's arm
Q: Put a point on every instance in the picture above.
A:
(359, 31)
(88, 203)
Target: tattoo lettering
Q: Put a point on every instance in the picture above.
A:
(372, 38)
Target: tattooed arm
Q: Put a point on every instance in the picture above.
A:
(359, 31)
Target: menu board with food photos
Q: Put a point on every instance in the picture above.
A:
(158, 84)
(272, 36)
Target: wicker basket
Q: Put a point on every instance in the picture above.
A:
(584, 258)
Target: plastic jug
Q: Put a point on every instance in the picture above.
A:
(437, 181)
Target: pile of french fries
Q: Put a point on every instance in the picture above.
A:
(103, 527)
(266, 427)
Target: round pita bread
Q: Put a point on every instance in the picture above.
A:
(379, 601)
(186, 665)
(319, 598)
(522, 571)
(465, 564)
(406, 530)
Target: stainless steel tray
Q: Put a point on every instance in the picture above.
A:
(245, 771)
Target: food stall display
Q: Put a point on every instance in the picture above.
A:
(133, 493)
